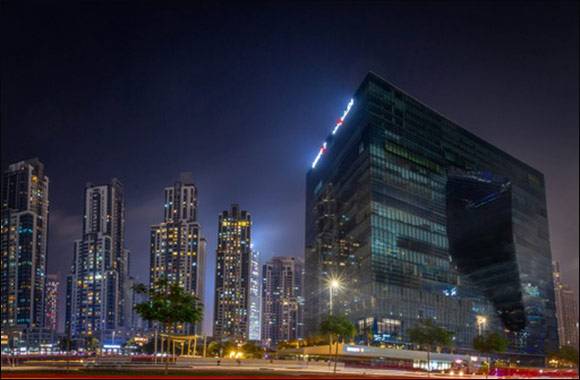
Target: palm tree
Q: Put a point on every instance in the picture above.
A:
(338, 327)
(429, 335)
(169, 305)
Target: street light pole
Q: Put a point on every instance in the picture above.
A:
(331, 290)
(481, 321)
(334, 284)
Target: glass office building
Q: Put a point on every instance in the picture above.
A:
(414, 217)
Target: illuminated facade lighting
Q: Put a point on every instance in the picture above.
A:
(338, 125)
(320, 153)
(341, 120)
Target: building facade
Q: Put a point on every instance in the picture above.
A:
(255, 298)
(393, 198)
(233, 276)
(24, 244)
(282, 300)
(96, 285)
(51, 302)
(177, 248)
(567, 311)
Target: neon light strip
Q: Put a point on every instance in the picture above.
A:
(343, 116)
(319, 155)
(340, 121)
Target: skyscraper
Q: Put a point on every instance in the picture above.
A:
(95, 287)
(233, 275)
(51, 302)
(567, 311)
(255, 298)
(282, 301)
(24, 244)
(177, 248)
(414, 217)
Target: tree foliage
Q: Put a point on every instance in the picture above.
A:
(168, 304)
(219, 348)
(490, 343)
(339, 326)
(251, 351)
(566, 354)
(92, 344)
(315, 340)
(427, 334)
(287, 345)
(64, 345)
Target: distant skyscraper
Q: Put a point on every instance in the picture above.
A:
(282, 301)
(177, 248)
(255, 298)
(24, 244)
(133, 320)
(96, 285)
(51, 302)
(417, 218)
(233, 276)
(567, 311)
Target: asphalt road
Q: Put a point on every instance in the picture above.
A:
(244, 372)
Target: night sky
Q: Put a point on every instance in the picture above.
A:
(243, 95)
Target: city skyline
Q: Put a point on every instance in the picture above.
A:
(290, 154)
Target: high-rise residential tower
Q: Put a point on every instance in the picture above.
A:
(177, 248)
(567, 311)
(282, 300)
(24, 244)
(233, 275)
(411, 216)
(51, 302)
(95, 287)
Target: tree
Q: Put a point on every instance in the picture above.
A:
(338, 327)
(251, 351)
(566, 354)
(218, 348)
(427, 334)
(369, 336)
(288, 345)
(168, 305)
(64, 345)
(488, 344)
(315, 340)
(92, 344)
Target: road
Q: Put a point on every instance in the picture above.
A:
(205, 371)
